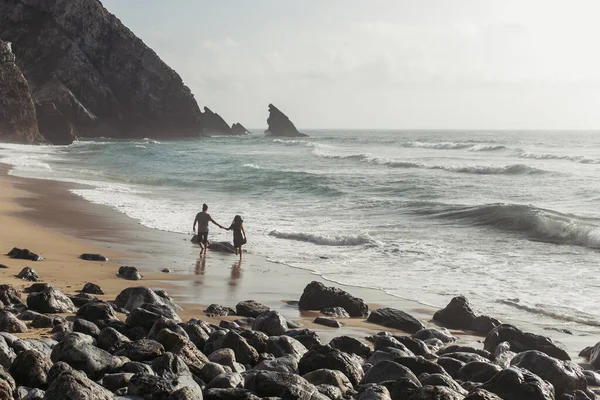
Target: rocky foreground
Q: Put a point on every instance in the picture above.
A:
(137, 347)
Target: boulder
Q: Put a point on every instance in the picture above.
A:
(484, 324)
(50, 300)
(31, 368)
(229, 394)
(280, 364)
(141, 350)
(9, 296)
(228, 380)
(388, 370)
(97, 311)
(565, 376)
(214, 124)
(111, 340)
(223, 356)
(419, 365)
(275, 384)
(238, 129)
(23, 254)
(250, 308)
(280, 125)
(335, 312)
(27, 393)
(466, 357)
(476, 371)
(450, 365)
(75, 385)
(114, 382)
(516, 384)
(28, 274)
(305, 336)
(216, 310)
(169, 365)
(135, 297)
(91, 288)
(244, 352)
(416, 346)
(184, 348)
(522, 341)
(441, 380)
(317, 296)
(36, 287)
(481, 394)
(397, 319)
(129, 273)
(86, 327)
(54, 125)
(81, 299)
(350, 345)
(135, 367)
(435, 392)
(594, 355)
(327, 357)
(165, 323)
(11, 324)
(373, 392)
(150, 386)
(281, 346)
(465, 349)
(221, 247)
(458, 314)
(93, 257)
(329, 377)
(592, 378)
(332, 323)
(270, 322)
(442, 334)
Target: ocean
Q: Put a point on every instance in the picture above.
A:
(510, 219)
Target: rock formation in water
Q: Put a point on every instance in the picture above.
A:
(18, 121)
(214, 124)
(280, 124)
(239, 129)
(89, 75)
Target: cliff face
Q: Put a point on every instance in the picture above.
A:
(239, 129)
(83, 64)
(214, 124)
(18, 122)
(280, 124)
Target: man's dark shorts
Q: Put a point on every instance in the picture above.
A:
(203, 237)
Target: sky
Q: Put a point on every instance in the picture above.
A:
(382, 64)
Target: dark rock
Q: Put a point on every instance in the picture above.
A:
(335, 312)
(223, 356)
(23, 254)
(214, 124)
(292, 325)
(165, 323)
(250, 308)
(113, 382)
(329, 391)
(388, 370)
(222, 247)
(350, 345)
(256, 339)
(229, 325)
(110, 340)
(216, 310)
(466, 357)
(592, 378)
(329, 377)
(435, 392)
(30, 368)
(280, 125)
(150, 386)
(373, 392)
(75, 385)
(281, 346)
(450, 365)
(516, 383)
(143, 318)
(91, 288)
(577, 395)
(2, 266)
(401, 389)
(10, 296)
(57, 369)
(135, 297)
(7, 354)
(141, 350)
(416, 346)
(244, 352)
(28, 274)
(11, 324)
(81, 299)
(213, 341)
(86, 327)
(229, 394)
(135, 367)
(184, 348)
(565, 376)
(305, 336)
(384, 342)
(93, 257)
(481, 394)
(441, 380)
(522, 341)
(7, 377)
(332, 323)
(389, 354)
(397, 319)
(484, 324)
(18, 121)
(247, 322)
(280, 364)
(211, 370)
(37, 287)
(54, 125)
(594, 356)
(317, 296)
(129, 273)
(169, 365)
(465, 349)
(458, 314)
(238, 129)
(46, 321)
(85, 357)
(97, 311)
(229, 380)
(103, 79)
(477, 371)
(270, 322)
(435, 333)
(327, 357)
(195, 333)
(27, 393)
(269, 383)
(50, 300)
(419, 365)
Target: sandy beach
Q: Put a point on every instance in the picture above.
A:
(46, 218)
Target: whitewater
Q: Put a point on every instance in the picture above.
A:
(508, 219)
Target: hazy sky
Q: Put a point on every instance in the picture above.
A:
(382, 64)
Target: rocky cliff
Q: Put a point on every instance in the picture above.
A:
(214, 124)
(280, 124)
(239, 129)
(91, 76)
(18, 122)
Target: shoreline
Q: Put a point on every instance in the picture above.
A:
(41, 204)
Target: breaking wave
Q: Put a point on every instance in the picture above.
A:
(349, 240)
(540, 309)
(550, 156)
(454, 146)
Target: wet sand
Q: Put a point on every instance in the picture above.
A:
(46, 218)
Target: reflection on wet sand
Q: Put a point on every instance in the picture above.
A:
(200, 270)
(236, 274)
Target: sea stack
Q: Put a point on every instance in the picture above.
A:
(18, 122)
(280, 124)
(214, 124)
(239, 129)
(89, 75)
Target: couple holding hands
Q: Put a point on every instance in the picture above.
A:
(237, 226)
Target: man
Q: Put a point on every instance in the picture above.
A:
(202, 219)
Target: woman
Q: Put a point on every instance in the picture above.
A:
(239, 235)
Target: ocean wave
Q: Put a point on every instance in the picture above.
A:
(253, 166)
(513, 169)
(536, 223)
(550, 156)
(486, 147)
(541, 309)
(349, 240)
(453, 146)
